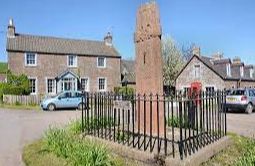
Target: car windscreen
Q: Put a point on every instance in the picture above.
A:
(238, 92)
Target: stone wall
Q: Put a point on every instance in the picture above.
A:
(207, 76)
(50, 66)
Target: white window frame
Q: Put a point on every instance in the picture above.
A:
(74, 62)
(251, 73)
(197, 75)
(228, 68)
(26, 64)
(88, 88)
(105, 87)
(104, 62)
(241, 71)
(54, 85)
(36, 83)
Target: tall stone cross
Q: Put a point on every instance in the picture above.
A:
(148, 67)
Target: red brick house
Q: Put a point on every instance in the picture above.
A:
(57, 64)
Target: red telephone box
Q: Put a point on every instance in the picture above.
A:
(196, 88)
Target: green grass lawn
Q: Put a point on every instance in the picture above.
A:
(240, 153)
(3, 67)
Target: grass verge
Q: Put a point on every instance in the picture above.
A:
(240, 153)
(20, 107)
(36, 154)
(65, 146)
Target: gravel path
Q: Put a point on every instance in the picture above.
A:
(20, 127)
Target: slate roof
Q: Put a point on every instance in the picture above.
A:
(54, 45)
(128, 70)
(219, 68)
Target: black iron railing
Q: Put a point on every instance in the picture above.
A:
(168, 125)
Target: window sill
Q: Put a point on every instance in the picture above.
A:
(101, 67)
(30, 65)
(72, 66)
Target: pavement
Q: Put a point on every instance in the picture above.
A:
(21, 127)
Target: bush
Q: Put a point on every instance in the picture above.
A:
(124, 90)
(176, 122)
(16, 85)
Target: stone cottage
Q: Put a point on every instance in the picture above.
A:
(58, 64)
(214, 73)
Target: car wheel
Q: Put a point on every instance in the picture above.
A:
(80, 106)
(51, 107)
(249, 108)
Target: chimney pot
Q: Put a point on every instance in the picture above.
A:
(196, 51)
(108, 39)
(11, 29)
(236, 60)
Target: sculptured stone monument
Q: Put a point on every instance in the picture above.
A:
(148, 66)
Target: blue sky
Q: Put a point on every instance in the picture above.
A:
(226, 26)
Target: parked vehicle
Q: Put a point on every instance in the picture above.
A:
(68, 99)
(241, 99)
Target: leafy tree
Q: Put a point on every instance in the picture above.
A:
(15, 85)
(173, 60)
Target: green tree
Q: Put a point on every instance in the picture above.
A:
(173, 60)
(15, 85)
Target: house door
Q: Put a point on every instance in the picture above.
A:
(67, 81)
(69, 84)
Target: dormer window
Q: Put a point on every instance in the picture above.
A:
(241, 71)
(228, 69)
(251, 73)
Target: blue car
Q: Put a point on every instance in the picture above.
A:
(68, 99)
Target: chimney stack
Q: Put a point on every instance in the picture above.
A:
(196, 51)
(11, 29)
(217, 56)
(108, 39)
(236, 60)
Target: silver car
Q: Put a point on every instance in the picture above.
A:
(241, 99)
(68, 99)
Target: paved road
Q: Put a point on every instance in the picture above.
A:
(241, 123)
(19, 128)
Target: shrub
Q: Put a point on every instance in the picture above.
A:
(98, 123)
(124, 90)
(16, 85)
(176, 122)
